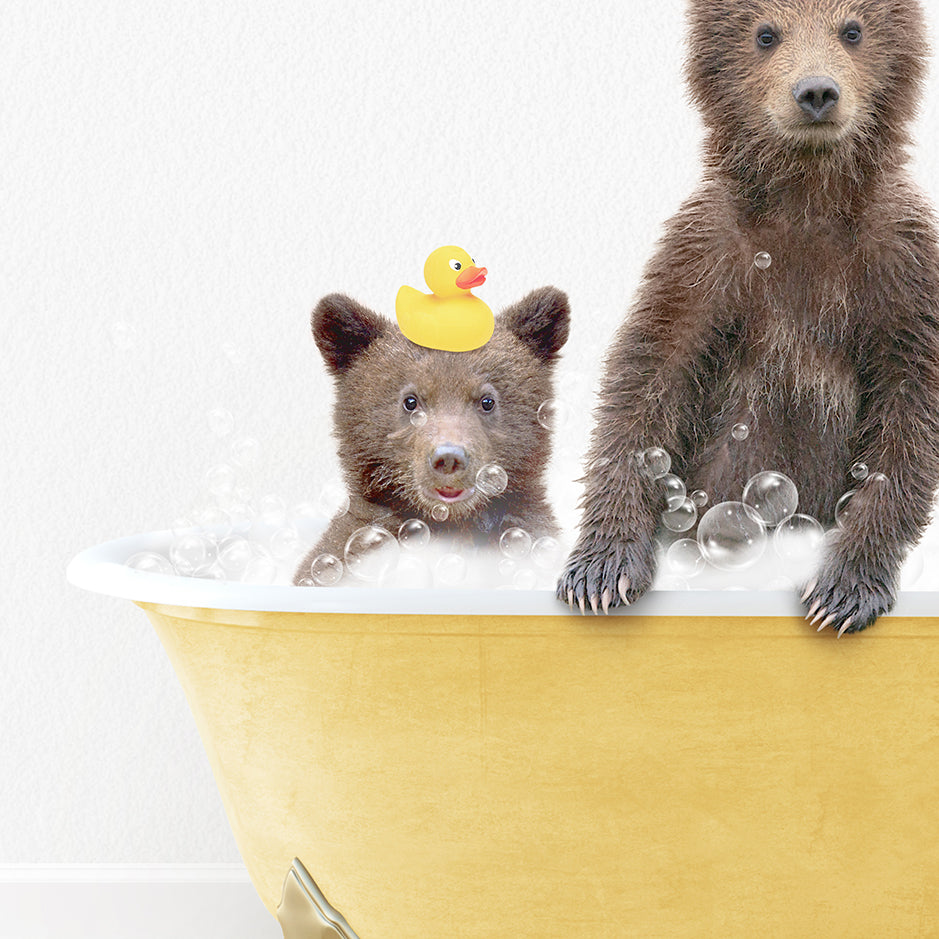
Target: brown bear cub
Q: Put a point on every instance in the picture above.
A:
(827, 349)
(415, 426)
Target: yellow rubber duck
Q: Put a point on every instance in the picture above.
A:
(449, 318)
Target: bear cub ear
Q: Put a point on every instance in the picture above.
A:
(541, 320)
(343, 330)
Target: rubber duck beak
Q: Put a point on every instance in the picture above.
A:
(471, 277)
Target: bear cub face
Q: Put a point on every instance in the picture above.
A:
(415, 426)
(797, 76)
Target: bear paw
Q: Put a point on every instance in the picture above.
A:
(605, 575)
(846, 599)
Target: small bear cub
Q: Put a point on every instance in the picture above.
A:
(415, 426)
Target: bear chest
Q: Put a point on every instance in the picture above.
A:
(797, 327)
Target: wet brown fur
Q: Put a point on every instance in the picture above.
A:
(385, 457)
(831, 355)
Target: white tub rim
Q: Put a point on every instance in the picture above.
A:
(102, 569)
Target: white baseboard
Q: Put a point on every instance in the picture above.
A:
(124, 901)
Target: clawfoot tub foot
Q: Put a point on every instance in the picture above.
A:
(304, 913)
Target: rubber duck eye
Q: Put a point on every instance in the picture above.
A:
(851, 33)
(766, 37)
(410, 403)
(487, 402)
(455, 265)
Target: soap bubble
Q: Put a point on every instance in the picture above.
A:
(492, 479)
(245, 451)
(440, 512)
(272, 510)
(731, 536)
(655, 461)
(326, 570)
(413, 534)
(333, 500)
(220, 480)
(740, 432)
(681, 518)
(797, 536)
(546, 552)
(772, 496)
(876, 479)
(181, 525)
(763, 260)
(370, 553)
(842, 509)
(552, 414)
(221, 421)
(507, 568)
(860, 471)
(419, 418)
(209, 572)
(285, 543)
(150, 562)
(234, 554)
(305, 582)
(214, 521)
(673, 488)
(260, 570)
(515, 543)
(700, 498)
(450, 570)
(241, 515)
(190, 551)
(684, 557)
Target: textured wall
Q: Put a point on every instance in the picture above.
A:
(180, 182)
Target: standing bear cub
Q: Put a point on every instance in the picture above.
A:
(416, 426)
(827, 347)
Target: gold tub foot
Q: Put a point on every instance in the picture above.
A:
(304, 913)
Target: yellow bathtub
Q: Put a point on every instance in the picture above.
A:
(471, 765)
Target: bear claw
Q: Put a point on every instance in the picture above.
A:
(607, 575)
(818, 613)
(829, 620)
(849, 598)
(622, 587)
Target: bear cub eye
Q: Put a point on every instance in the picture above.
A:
(766, 37)
(487, 402)
(852, 33)
(410, 402)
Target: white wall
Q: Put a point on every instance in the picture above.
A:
(180, 182)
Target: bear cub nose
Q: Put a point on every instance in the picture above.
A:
(817, 96)
(448, 459)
